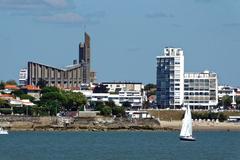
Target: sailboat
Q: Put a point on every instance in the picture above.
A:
(2, 131)
(186, 131)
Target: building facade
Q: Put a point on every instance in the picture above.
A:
(115, 87)
(71, 76)
(135, 98)
(230, 91)
(85, 58)
(170, 78)
(23, 77)
(51, 76)
(225, 90)
(201, 90)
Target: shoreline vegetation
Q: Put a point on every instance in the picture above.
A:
(54, 101)
(100, 123)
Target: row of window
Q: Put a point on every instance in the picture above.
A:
(196, 93)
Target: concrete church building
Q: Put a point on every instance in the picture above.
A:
(71, 76)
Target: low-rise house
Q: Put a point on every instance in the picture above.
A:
(8, 89)
(21, 102)
(135, 98)
(7, 97)
(32, 91)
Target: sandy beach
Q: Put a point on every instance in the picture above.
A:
(204, 126)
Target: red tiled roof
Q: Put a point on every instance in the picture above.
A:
(14, 87)
(31, 88)
(6, 96)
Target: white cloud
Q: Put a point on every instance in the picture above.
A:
(67, 18)
(35, 4)
(50, 11)
(58, 3)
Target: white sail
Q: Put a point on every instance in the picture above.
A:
(186, 130)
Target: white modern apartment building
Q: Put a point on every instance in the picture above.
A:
(135, 98)
(225, 90)
(115, 87)
(201, 90)
(170, 78)
(23, 76)
(230, 91)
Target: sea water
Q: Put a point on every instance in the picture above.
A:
(127, 145)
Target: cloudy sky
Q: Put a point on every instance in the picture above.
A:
(126, 35)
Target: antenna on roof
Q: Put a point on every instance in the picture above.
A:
(84, 28)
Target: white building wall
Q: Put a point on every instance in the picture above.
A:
(23, 76)
(173, 86)
(126, 86)
(201, 90)
(134, 97)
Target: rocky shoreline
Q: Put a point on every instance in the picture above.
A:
(99, 123)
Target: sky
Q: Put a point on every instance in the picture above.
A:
(126, 36)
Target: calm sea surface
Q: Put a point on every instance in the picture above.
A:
(118, 146)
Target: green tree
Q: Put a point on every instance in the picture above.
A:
(237, 100)
(3, 103)
(110, 103)
(118, 111)
(2, 85)
(11, 82)
(226, 101)
(106, 111)
(50, 89)
(150, 89)
(53, 96)
(222, 117)
(52, 102)
(18, 93)
(52, 107)
(98, 106)
(26, 96)
(74, 101)
(150, 86)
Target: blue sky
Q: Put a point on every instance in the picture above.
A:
(126, 35)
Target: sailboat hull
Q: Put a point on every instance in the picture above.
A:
(187, 138)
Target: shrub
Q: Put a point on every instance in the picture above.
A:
(5, 111)
(118, 111)
(106, 111)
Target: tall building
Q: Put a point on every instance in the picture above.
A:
(23, 76)
(85, 58)
(201, 90)
(71, 76)
(170, 78)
